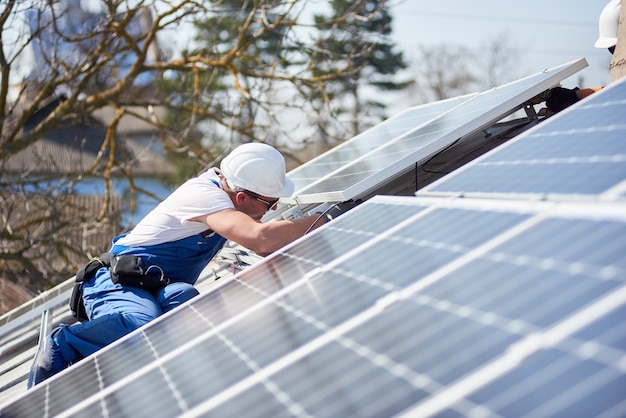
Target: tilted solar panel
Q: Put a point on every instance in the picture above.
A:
(336, 158)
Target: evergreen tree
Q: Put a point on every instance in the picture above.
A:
(357, 36)
(245, 41)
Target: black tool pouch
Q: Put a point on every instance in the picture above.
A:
(76, 303)
(129, 270)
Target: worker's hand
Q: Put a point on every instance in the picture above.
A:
(560, 98)
(557, 99)
(540, 98)
(339, 209)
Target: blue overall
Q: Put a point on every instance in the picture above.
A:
(114, 310)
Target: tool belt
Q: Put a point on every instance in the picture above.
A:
(125, 269)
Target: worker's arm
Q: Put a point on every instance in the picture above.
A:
(587, 91)
(262, 238)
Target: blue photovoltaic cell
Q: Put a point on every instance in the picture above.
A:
(578, 152)
(609, 331)
(573, 289)
(588, 387)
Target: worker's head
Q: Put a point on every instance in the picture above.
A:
(607, 25)
(258, 171)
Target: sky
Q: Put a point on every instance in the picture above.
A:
(545, 33)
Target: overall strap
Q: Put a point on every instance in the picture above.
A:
(210, 231)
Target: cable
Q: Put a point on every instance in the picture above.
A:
(320, 217)
(431, 158)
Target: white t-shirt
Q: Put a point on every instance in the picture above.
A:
(169, 221)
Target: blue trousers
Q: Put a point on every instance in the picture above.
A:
(114, 311)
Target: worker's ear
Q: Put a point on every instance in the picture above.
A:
(239, 198)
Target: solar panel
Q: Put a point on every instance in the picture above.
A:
(405, 304)
(326, 164)
(580, 153)
(401, 153)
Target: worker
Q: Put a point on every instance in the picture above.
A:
(559, 98)
(171, 246)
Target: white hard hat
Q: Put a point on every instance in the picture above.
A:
(607, 24)
(258, 168)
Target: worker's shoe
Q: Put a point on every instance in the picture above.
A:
(48, 360)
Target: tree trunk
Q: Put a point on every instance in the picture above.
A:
(618, 63)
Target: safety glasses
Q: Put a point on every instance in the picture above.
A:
(270, 204)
